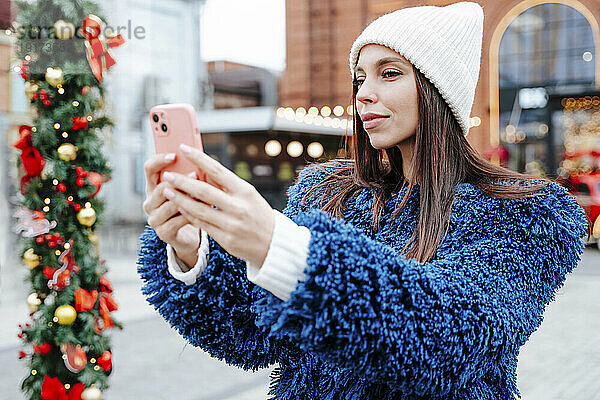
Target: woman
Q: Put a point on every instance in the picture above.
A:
(415, 269)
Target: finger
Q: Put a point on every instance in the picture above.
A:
(212, 230)
(156, 198)
(159, 216)
(213, 169)
(200, 190)
(197, 209)
(153, 166)
(168, 231)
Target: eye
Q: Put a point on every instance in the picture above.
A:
(385, 74)
(393, 73)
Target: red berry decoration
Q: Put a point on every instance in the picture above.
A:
(46, 103)
(77, 207)
(62, 187)
(69, 201)
(52, 243)
(80, 181)
(48, 236)
(39, 239)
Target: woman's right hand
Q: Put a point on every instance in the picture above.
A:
(174, 230)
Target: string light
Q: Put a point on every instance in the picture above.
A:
(55, 319)
(33, 372)
(89, 117)
(47, 200)
(70, 198)
(28, 57)
(57, 252)
(67, 386)
(88, 204)
(55, 182)
(93, 360)
(46, 209)
(33, 129)
(75, 103)
(65, 135)
(96, 368)
(67, 246)
(56, 125)
(49, 323)
(61, 90)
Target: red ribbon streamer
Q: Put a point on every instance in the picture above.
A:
(96, 51)
(31, 158)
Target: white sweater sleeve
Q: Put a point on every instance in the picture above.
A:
(285, 262)
(176, 266)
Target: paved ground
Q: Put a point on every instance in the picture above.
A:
(561, 361)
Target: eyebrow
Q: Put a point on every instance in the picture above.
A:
(383, 61)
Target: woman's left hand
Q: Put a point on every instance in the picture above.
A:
(243, 221)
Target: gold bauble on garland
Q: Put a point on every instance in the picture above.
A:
(91, 393)
(31, 259)
(86, 216)
(30, 89)
(55, 76)
(33, 302)
(65, 314)
(67, 152)
(64, 30)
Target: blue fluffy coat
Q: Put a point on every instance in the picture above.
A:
(367, 323)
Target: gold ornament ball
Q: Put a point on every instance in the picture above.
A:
(31, 259)
(64, 30)
(54, 76)
(30, 89)
(67, 152)
(33, 302)
(91, 393)
(66, 314)
(86, 216)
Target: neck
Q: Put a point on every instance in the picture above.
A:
(407, 147)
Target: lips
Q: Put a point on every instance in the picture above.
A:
(373, 120)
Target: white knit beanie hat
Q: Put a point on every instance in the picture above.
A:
(444, 43)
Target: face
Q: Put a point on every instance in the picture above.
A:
(387, 88)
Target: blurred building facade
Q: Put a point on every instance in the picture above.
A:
(537, 96)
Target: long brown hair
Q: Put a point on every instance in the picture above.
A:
(442, 159)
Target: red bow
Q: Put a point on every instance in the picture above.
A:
(31, 158)
(104, 361)
(97, 53)
(85, 300)
(43, 348)
(53, 389)
(79, 123)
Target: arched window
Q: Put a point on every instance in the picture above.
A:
(545, 49)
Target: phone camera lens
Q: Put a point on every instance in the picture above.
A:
(155, 117)
(164, 127)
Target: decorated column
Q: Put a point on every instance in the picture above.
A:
(64, 57)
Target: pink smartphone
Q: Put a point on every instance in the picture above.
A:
(172, 125)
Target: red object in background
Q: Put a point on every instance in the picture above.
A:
(586, 189)
(6, 14)
(500, 152)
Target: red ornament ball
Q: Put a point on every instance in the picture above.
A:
(46, 102)
(62, 187)
(52, 243)
(77, 207)
(39, 239)
(48, 236)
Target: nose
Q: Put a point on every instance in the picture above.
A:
(365, 94)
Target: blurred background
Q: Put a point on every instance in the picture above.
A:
(271, 85)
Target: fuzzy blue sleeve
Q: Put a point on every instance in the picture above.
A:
(214, 312)
(430, 328)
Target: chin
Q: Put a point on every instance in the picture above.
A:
(379, 144)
